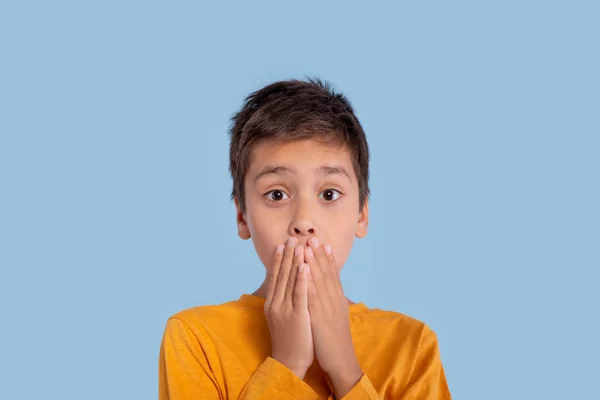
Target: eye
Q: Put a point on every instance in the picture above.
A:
(276, 196)
(330, 195)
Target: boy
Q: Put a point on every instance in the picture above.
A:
(300, 166)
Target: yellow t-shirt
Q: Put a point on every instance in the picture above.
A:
(218, 352)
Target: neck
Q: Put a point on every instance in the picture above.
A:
(262, 292)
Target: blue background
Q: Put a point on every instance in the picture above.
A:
(483, 120)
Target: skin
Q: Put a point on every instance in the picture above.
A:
(306, 202)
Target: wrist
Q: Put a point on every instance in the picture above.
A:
(300, 372)
(344, 379)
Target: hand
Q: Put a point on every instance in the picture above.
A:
(286, 309)
(329, 314)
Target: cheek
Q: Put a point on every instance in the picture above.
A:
(266, 235)
(342, 251)
(343, 240)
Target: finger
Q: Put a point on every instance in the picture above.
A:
(284, 271)
(291, 282)
(316, 272)
(334, 267)
(314, 305)
(301, 289)
(273, 272)
(319, 255)
(330, 275)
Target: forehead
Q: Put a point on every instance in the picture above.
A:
(304, 153)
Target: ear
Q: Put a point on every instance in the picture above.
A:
(243, 231)
(363, 221)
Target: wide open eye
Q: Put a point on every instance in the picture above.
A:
(276, 196)
(330, 195)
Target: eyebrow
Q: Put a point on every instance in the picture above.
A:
(279, 170)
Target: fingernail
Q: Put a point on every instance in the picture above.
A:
(309, 251)
(298, 250)
(327, 249)
(302, 268)
(314, 242)
(291, 241)
(280, 248)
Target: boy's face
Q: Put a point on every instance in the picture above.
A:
(303, 188)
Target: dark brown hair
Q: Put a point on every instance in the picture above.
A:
(293, 110)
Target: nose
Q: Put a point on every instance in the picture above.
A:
(303, 223)
(303, 228)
